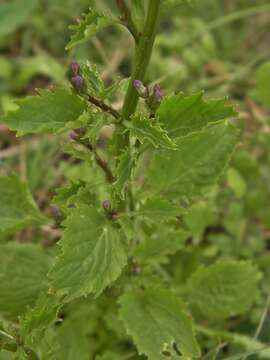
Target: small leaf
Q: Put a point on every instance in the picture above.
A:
(157, 321)
(181, 115)
(224, 289)
(262, 90)
(156, 248)
(92, 255)
(18, 209)
(145, 129)
(159, 209)
(23, 269)
(49, 112)
(91, 23)
(195, 166)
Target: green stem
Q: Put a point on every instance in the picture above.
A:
(142, 58)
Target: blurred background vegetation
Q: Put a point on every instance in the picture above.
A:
(219, 46)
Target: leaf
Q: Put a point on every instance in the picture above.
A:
(196, 166)
(159, 209)
(144, 129)
(224, 289)
(40, 316)
(49, 112)
(18, 209)
(91, 23)
(92, 255)
(23, 269)
(181, 114)
(162, 243)
(198, 217)
(15, 13)
(157, 321)
(123, 171)
(262, 83)
(92, 78)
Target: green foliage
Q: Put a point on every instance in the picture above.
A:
(50, 111)
(225, 289)
(169, 327)
(92, 256)
(18, 209)
(160, 222)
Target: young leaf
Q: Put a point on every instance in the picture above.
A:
(92, 255)
(156, 248)
(262, 91)
(159, 209)
(192, 169)
(146, 130)
(158, 322)
(23, 269)
(49, 112)
(91, 23)
(181, 114)
(18, 209)
(224, 289)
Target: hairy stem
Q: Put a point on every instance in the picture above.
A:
(142, 58)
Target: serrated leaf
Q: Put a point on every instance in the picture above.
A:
(196, 166)
(14, 14)
(181, 114)
(156, 248)
(123, 171)
(90, 24)
(48, 112)
(18, 209)
(92, 79)
(23, 269)
(157, 321)
(40, 316)
(224, 289)
(92, 255)
(147, 130)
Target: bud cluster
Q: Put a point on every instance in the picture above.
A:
(76, 79)
(153, 98)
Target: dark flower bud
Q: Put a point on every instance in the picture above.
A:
(115, 215)
(158, 93)
(73, 135)
(141, 89)
(55, 210)
(75, 67)
(77, 82)
(106, 204)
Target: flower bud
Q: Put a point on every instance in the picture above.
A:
(77, 82)
(75, 67)
(55, 210)
(73, 135)
(158, 93)
(141, 89)
(106, 204)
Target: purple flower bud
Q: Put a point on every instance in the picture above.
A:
(106, 204)
(55, 210)
(141, 89)
(73, 135)
(158, 93)
(114, 216)
(75, 67)
(77, 82)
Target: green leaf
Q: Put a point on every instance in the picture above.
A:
(49, 112)
(262, 83)
(224, 289)
(156, 248)
(23, 269)
(41, 315)
(159, 209)
(198, 217)
(92, 255)
(195, 166)
(145, 129)
(236, 182)
(158, 322)
(18, 209)
(92, 79)
(15, 13)
(123, 171)
(181, 114)
(90, 24)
